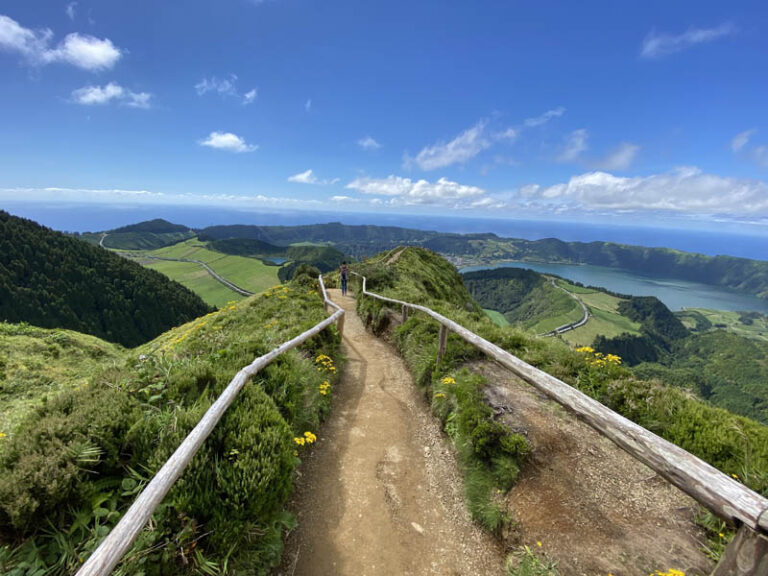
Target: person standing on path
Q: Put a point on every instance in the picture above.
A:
(343, 275)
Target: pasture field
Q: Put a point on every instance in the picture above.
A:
(497, 317)
(249, 273)
(197, 279)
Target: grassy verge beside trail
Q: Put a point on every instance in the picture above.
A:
(76, 463)
(736, 445)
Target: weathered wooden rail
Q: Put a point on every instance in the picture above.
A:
(121, 538)
(747, 554)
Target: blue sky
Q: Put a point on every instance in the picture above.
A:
(642, 112)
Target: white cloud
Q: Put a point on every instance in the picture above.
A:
(659, 45)
(83, 51)
(308, 105)
(510, 135)
(303, 178)
(575, 144)
(309, 177)
(250, 96)
(621, 158)
(464, 147)
(741, 140)
(71, 10)
(112, 92)
(415, 191)
(544, 118)
(132, 197)
(368, 143)
(685, 190)
(225, 87)
(227, 141)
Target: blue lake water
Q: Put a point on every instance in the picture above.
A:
(676, 294)
(277, 260)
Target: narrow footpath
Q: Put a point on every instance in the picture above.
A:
(381, 492)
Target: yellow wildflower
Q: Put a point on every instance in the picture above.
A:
(585, 349)
(3, 434)
(439, 395)
(538, 544)
(300, 441)
(310, 438)
(447, 381)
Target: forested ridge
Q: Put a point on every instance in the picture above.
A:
(55, 281)
(359, 241)
(522, 295)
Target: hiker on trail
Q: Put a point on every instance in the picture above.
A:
(343, 275)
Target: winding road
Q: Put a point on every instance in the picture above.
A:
(232, 286)
(570, 325)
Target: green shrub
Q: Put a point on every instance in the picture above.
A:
(51, 460)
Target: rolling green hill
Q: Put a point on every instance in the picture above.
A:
(147, 235)
(56, 281)
(749, 276)
(524, 297)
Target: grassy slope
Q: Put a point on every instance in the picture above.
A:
(758, 330)
(36, 363)
(497, 317)
(248, 273)
(234, 488)
(605, 319)
(197, 279)
(735, 444)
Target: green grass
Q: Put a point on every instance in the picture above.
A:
(73, 466)
(604, 319)
(729, 321)
(249, 273)
(572, 287)
(547, 324)
(601, 323)
(197, 279)
(36, 363)
(497, 317)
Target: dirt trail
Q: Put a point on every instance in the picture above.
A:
(381, 493)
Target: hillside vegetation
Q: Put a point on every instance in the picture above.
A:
(56, 281)
(742, 274)
(37, 363)
(147, 235)
(734, 444)
(525, 297)
(72, 466)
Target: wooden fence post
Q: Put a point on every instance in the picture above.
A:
(746, 555)
(405, 313)
(441, 341)
(340, 325)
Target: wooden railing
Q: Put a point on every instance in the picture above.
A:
(121, 538)
(747, 554)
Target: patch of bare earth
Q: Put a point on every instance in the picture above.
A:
(380, 493)
(594, 508)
